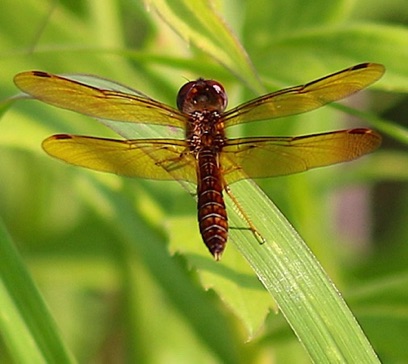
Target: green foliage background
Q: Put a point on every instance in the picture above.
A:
(118, 262)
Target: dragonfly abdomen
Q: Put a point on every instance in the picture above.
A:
(212, 215)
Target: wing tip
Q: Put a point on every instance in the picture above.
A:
(373, 67)
(23, 75)
(365, 131)
(49, 141)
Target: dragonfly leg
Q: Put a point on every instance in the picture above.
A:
(174, 163)
(242, 214)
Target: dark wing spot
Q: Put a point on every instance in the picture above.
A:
(359, 66)
(41, 74)
(62, 136)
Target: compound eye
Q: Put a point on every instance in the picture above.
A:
(184, 94)
(202, 95)
(221, 98)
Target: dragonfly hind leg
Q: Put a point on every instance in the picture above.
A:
(242, 214)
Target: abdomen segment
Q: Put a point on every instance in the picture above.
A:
(212, 215)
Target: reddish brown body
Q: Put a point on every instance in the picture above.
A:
(204, 101)
(212, 215)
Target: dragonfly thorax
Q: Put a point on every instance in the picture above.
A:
(205, 130)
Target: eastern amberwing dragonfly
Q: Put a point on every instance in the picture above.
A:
(205, 156)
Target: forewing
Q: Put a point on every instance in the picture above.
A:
(299, 99)
(159, 159)
(277, 156)
(97, 102)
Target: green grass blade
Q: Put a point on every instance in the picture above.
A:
(305, 295)
(26, 325)
(199, 23)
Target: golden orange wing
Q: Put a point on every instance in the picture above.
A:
(277, 156)
(299, 99)
(160, 159)
(103, 103)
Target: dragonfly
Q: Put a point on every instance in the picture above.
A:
(205, 156)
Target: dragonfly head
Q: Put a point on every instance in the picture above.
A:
(202, 95)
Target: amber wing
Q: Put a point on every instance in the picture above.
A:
(97, 102)
(160, 159)
(277, 156)
(299, 99)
